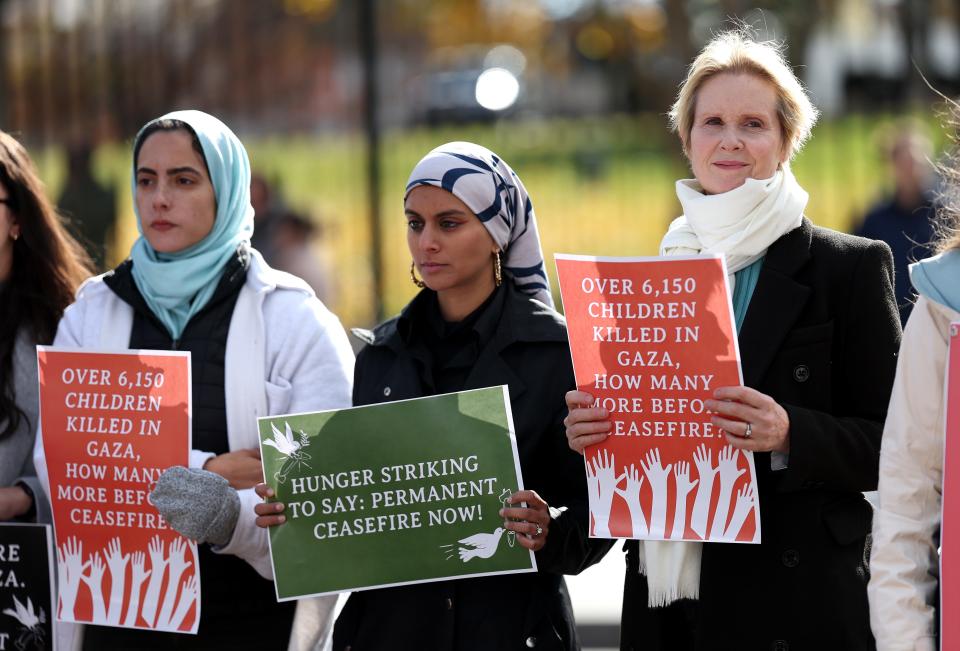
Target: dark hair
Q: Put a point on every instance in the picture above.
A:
(48, 266)
(168, 125)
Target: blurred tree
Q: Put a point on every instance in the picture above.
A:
(105, 69)
(4, 85)
(915, 21)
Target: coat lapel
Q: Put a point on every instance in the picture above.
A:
(491, 369)
(777, 302)
(522, 320)
(401, 382)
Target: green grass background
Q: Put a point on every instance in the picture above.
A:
(600, 186)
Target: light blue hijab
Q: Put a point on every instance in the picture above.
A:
(177, 285)
(936, 278)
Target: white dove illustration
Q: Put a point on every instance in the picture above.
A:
(293, 451)
(479, 545)
(26, 616)
(285, 444)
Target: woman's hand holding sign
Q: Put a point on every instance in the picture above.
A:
(532, 520)
(269, 514)
(241, 467)
(750, 420)
(586, 426)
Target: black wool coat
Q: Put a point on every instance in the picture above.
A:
(820, 336)
(529, 353)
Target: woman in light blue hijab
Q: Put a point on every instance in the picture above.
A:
(260, 344)
(175, 271)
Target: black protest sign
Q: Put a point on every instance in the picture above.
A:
(26, 588)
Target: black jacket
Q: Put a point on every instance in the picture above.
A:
(528, 352)
(820, 336)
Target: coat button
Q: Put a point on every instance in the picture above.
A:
(790, 558)
(531, 642)
(386, 391)
(801, 373)
(781, 645)
(449, 603)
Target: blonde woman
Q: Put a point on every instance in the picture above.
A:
(818, 333)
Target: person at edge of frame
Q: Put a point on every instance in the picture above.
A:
(904, 586)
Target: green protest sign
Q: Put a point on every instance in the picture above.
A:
(395, 493)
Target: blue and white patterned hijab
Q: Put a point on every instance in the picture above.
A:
(495, 194)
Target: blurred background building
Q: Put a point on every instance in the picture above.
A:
(336, 100)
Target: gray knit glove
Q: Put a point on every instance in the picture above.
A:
(198, 504)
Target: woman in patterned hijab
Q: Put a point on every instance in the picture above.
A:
(494, 193)
(483, 318)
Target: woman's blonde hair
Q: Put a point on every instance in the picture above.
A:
(948, 217)
(736, 51)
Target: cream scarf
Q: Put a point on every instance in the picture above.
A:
(741, 224)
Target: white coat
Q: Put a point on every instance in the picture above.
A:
(904, 564)
(285, 353)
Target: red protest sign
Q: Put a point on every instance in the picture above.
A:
(651, 340)
(950, 517)
(111, 424)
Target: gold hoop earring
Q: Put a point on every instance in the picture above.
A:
(413, 276)
(497, 273)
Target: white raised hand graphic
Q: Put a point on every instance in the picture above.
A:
(188, 596)
(138, 574)
(703, 460)
(631, 494)
(743, 508)
(117, 564)
(158, 565)
(604, 482)
(657, 477)
(729, 473)
(178, 565)
(71, 567)
(681, 473)
(94, 581)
